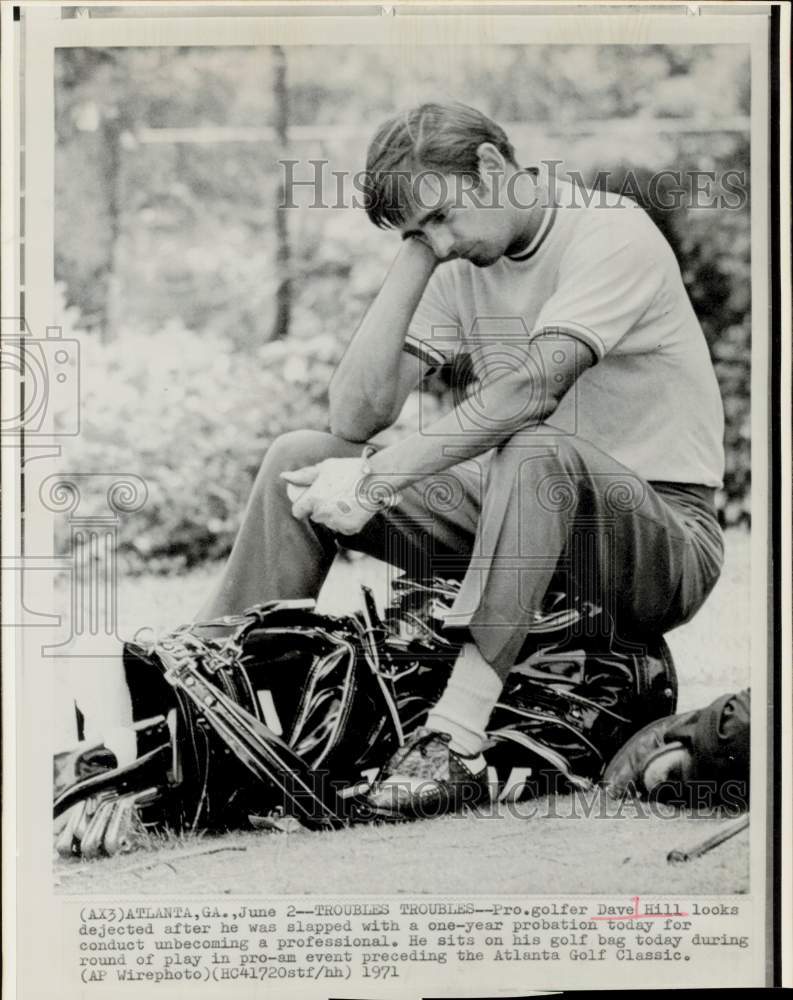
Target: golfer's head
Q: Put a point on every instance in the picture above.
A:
(438, 172)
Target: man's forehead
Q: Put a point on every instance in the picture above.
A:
(432, 186)
(424, 192)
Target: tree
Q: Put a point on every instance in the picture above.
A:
(283, 294)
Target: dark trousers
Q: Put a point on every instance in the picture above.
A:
(545, 511)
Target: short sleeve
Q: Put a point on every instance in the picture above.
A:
(607, 281)
(434, 333)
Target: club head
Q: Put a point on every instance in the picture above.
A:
(91, 845)
(125, 830)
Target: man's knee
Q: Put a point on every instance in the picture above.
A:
(551, 456)
(297, 448)
(532, 457)
(557, 471)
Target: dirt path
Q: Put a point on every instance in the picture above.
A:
(496, 854)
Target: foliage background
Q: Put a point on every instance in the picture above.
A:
(210, 322)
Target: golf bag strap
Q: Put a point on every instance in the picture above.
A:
(256, 747)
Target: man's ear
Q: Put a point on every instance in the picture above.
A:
(490, 160)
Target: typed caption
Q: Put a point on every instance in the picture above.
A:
(393, 942)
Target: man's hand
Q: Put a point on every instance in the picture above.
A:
(335, 495)
(421, 239)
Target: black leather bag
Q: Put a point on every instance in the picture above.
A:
(283, 710)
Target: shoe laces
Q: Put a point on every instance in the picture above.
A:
(420, 741)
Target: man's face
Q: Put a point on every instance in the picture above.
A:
(457, 217)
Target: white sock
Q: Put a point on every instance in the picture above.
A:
(464, 708)
(99, 687)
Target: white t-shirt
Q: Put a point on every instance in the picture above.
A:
(599, 270)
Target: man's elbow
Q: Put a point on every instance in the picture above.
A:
(340, 416)
(353, 424)
(347, 431)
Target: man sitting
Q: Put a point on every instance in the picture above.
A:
(587, 452)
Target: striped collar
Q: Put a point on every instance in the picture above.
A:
(546, 225)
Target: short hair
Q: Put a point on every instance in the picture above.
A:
(431, 137)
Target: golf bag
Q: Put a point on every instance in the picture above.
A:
(283, 711)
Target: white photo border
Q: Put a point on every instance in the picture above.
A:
(27, 764)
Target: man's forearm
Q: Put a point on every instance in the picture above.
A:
(455, 437)
(364, 390)
(504, 406)
(519, 400)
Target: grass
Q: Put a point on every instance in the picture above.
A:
(523, 854)
(495, 855)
